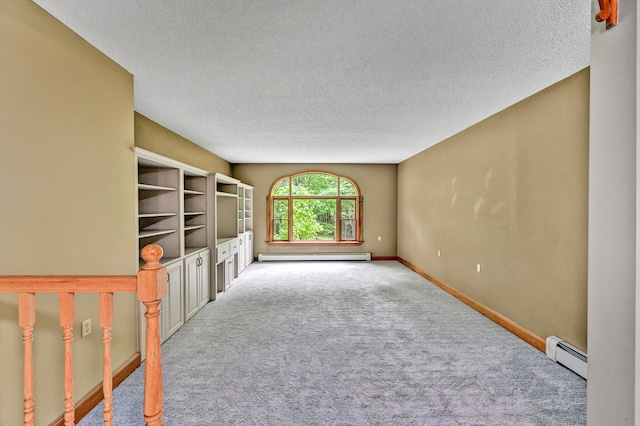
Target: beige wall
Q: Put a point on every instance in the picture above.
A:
(156, 138)
(509, 193)
(377, 186)
(67, 194)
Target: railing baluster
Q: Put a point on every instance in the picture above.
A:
(106, 320)
(152, 286)
(26, 319)
(67, 318)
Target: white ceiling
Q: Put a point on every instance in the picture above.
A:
(323, 81)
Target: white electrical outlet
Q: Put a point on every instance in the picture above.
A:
(379, 238)
(86, 328)
(478, 267)
(439, 253)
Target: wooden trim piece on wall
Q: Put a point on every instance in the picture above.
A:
(94, 397)
(384, 257)
(526, 335)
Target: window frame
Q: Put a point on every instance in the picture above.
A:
(357, 198)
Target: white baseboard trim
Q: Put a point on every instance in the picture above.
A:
(292, 257)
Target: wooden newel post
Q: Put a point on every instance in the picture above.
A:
(152, 286)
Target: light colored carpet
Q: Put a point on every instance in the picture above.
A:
(350, 343)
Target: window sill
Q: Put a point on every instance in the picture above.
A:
(315, 243)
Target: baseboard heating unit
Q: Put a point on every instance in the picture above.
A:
(291, 257)
(565, 354)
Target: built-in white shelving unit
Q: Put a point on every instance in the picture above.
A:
(159, 207)
(226, 231)
(195, 204)
(200, 220)
(173, 212)
(245, 226)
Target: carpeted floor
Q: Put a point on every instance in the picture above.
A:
(350, 343)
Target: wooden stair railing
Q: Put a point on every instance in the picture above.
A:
(150, 284)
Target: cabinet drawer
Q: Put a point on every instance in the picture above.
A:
(234, 246)
(222, 252)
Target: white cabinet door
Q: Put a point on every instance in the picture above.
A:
(196, 282)
(173, 302)
(192, 303)
(203, 277)
(248, 247)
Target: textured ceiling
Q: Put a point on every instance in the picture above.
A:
(319, 81)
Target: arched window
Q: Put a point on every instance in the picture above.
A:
(315, 207)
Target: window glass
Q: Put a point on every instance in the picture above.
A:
(347, 187)
(282, 187)
(314, 219)
(315, 184)
(281, 220)
(348, 219)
